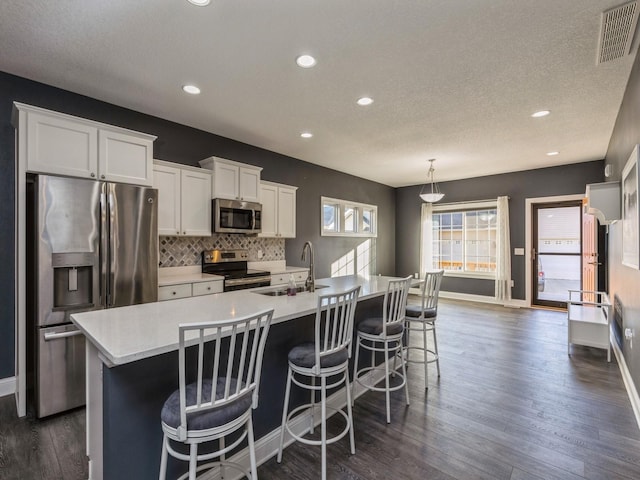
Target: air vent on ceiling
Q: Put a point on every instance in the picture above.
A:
(616, 32)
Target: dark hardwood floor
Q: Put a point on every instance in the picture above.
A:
(510, 405)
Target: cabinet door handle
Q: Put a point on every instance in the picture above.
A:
(174, 293)
(208, 288)
(93, 175)
(184, 233)
(102, 177)
(177, 233)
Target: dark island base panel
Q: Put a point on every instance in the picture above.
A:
(133, 395)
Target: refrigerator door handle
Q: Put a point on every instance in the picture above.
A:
(56, 336)
(104, 247)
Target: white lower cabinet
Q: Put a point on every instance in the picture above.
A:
(184, 290)
(207, 288)
(172, 292)
(278, 210)
(184, 200)
(282, 278)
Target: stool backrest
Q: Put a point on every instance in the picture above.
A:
(242, 340)
(431, 289)
(334, 323)
(395, 303)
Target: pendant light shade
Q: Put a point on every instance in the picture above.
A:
(431, 194)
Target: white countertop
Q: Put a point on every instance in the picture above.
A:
(126, 334)
(187, 278)
(190, 274)
(193, 274)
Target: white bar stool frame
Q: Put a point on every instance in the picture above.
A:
(327, 357)
(385, 335)
(232, 382)
(423, 319)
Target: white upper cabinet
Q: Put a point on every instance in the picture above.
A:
(184, 200)
(61, 144)
(287, 211)
(125, 158)
(233, 180)
(278, 210)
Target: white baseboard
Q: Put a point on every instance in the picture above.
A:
(632, 391)
(267, 447)
(7, 386)
(469, 297)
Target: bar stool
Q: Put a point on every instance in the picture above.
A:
(385, 335)
(219, 402)
(422, 318)
(328, 356)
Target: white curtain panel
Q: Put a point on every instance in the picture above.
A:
(503, 252)
(426, 245)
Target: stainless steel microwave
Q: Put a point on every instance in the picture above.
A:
(235, 216)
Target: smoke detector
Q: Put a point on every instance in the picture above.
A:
(616, 32)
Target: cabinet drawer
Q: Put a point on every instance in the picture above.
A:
(171, 292)
(280, 278)
(300, 276)
(207, 288)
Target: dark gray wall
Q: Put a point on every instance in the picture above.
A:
(543, 182)
(624, 281)
(186, 145)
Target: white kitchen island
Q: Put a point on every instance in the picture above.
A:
(132, 367)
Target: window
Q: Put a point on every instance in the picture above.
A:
(344, 218)
(461, 241)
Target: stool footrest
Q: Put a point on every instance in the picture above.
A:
(309, 441)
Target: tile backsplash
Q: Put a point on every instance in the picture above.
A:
(185, 251)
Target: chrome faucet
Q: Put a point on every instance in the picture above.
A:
(310, 282)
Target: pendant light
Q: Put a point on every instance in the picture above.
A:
(434, 194)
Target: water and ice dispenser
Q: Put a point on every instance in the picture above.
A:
(73, 280)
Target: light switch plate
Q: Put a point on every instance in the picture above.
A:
(518, 251)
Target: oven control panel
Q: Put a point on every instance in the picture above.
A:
(220, 256)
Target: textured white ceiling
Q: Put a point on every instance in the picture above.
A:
(454, 80)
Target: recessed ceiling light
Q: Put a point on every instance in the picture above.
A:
(306, 134)
(551, 154)
(199, 3)
(541, 113)
(192, 89)
(364, 101)
(305, 61)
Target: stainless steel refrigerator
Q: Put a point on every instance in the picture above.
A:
(92, 245)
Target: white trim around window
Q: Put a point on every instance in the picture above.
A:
(344, 218)
(425, 243)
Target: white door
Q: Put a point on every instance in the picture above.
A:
(249, 184)
(125, 158)
(226, 181)
(287, 212)
(269, 201)
(196, 203)
(167, 181)
(60, 146)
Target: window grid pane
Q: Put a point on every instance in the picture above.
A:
(465, 241)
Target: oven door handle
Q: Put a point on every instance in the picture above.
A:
(253, 219)
(246, 281)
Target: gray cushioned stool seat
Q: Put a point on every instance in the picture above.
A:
(209, 418)
(304, 355)
(416, 310)
(373, 326)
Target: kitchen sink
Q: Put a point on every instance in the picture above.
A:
(282, 291)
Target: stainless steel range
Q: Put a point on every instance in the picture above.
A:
(232, 265)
